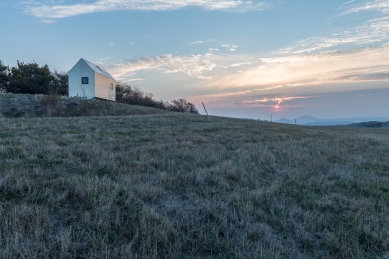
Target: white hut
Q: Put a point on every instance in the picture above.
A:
(87, 80)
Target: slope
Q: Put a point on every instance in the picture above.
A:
(24, 105)
(177, 186)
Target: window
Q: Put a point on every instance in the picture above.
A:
(85, 80)
(111, 86)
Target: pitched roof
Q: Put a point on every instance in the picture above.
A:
(98, 69)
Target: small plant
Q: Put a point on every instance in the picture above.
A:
(181, 105)
(52, 105)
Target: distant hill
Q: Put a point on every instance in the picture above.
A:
(313, 121)
(301, 120)
(283, 120)
(25, 105)
(307, 119)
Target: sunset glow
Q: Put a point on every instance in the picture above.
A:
(248, 58)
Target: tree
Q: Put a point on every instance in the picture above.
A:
(59, 84)
(181, 105)
(29, 79)
(3, 76)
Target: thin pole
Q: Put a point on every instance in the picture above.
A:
(295, 122)
(271, 117)
(206, 111)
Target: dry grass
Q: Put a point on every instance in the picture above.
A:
(177, 186)
(24, 105)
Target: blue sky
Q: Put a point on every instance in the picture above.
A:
(324, 58)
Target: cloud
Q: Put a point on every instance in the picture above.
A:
(354, 54)
(272, 74)
(266, 74)
(317, 68)
(358, 54)
(202, 41)
(48, 21)
(270, 88)
(193, 65)
(140, 80)
(56, 11)
(377, 5)
(196, 42)
(370, 32)
(230, 47)
(239, 64)
(276, 100)
(368, 76)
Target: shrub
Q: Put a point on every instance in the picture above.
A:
(59, 83)
(3, 76)
(128, 94)
(52, 105)
(181, 105)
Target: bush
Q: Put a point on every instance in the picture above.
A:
(52, 105)
(181, 105)
(32, 79)
(3, 76)
(128, 94)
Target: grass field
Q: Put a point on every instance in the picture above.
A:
(177, 186)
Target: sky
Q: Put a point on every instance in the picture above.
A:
(246, 59)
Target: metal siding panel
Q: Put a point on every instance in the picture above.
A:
(103, 87)
(98, 69)
(98, 85)
(74, 74)
(81, 69)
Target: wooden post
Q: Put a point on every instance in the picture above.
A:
(206, 111)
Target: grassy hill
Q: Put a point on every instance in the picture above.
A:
(176, 186)
(24, 105)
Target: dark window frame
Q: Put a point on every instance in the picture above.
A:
(83, 80)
